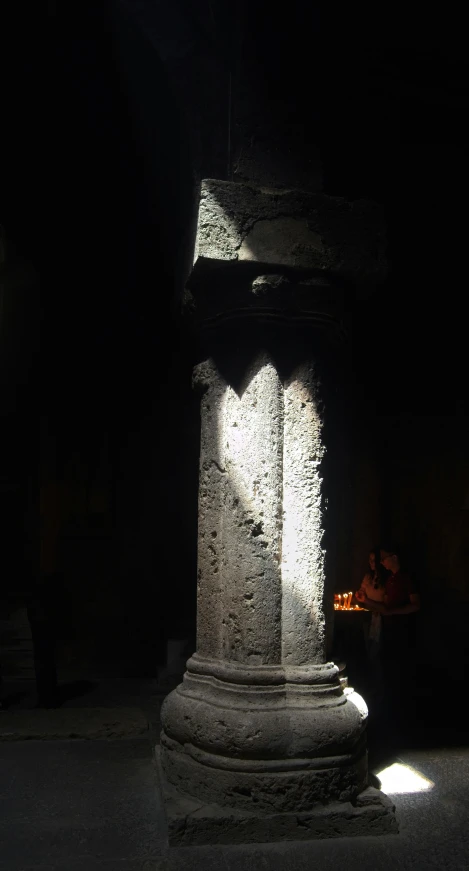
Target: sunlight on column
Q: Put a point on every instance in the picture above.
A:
(358, 701)
(302, 551)
(248, 436)
(250, 459)
(399, 779)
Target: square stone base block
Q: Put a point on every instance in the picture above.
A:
(194, 823)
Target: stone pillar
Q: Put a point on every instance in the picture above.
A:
(240, 505)
(260, 742)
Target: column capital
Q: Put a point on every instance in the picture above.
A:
(280, 258)
(233, 297)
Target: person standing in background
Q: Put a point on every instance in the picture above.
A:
(398, 610)
(373, 589)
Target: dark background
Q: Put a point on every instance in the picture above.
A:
(111, 114)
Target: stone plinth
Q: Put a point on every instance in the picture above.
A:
(261, 731)
(193, 822)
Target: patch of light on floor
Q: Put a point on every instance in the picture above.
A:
(398, 779)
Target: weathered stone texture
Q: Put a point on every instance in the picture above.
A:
(260, 556)
(260, 717)
(194, 821)
(291, 228)
(261, 729)
(240, 505)
(211, 501)
(303, 636)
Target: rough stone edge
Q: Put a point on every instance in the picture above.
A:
(193, 823)
(229, 211)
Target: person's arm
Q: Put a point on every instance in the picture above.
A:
(411, 608)
(413, 605)
(361, 592)
(372, 605)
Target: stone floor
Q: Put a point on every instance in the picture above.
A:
(85, 709)
(93, 805)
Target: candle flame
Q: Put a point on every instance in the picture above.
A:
(343, 602)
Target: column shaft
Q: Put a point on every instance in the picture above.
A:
(303, 625)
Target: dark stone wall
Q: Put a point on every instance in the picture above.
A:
(87, 198)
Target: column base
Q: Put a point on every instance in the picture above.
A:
(194, 823)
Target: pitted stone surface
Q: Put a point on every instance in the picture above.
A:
(195, 822)
(289, 241)
(240, 526)
(260, 718)
(277, 790)
(289, 729)
(238, 222)
(260, 555)
(210, 601)
(260, 725)
(303, 632)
